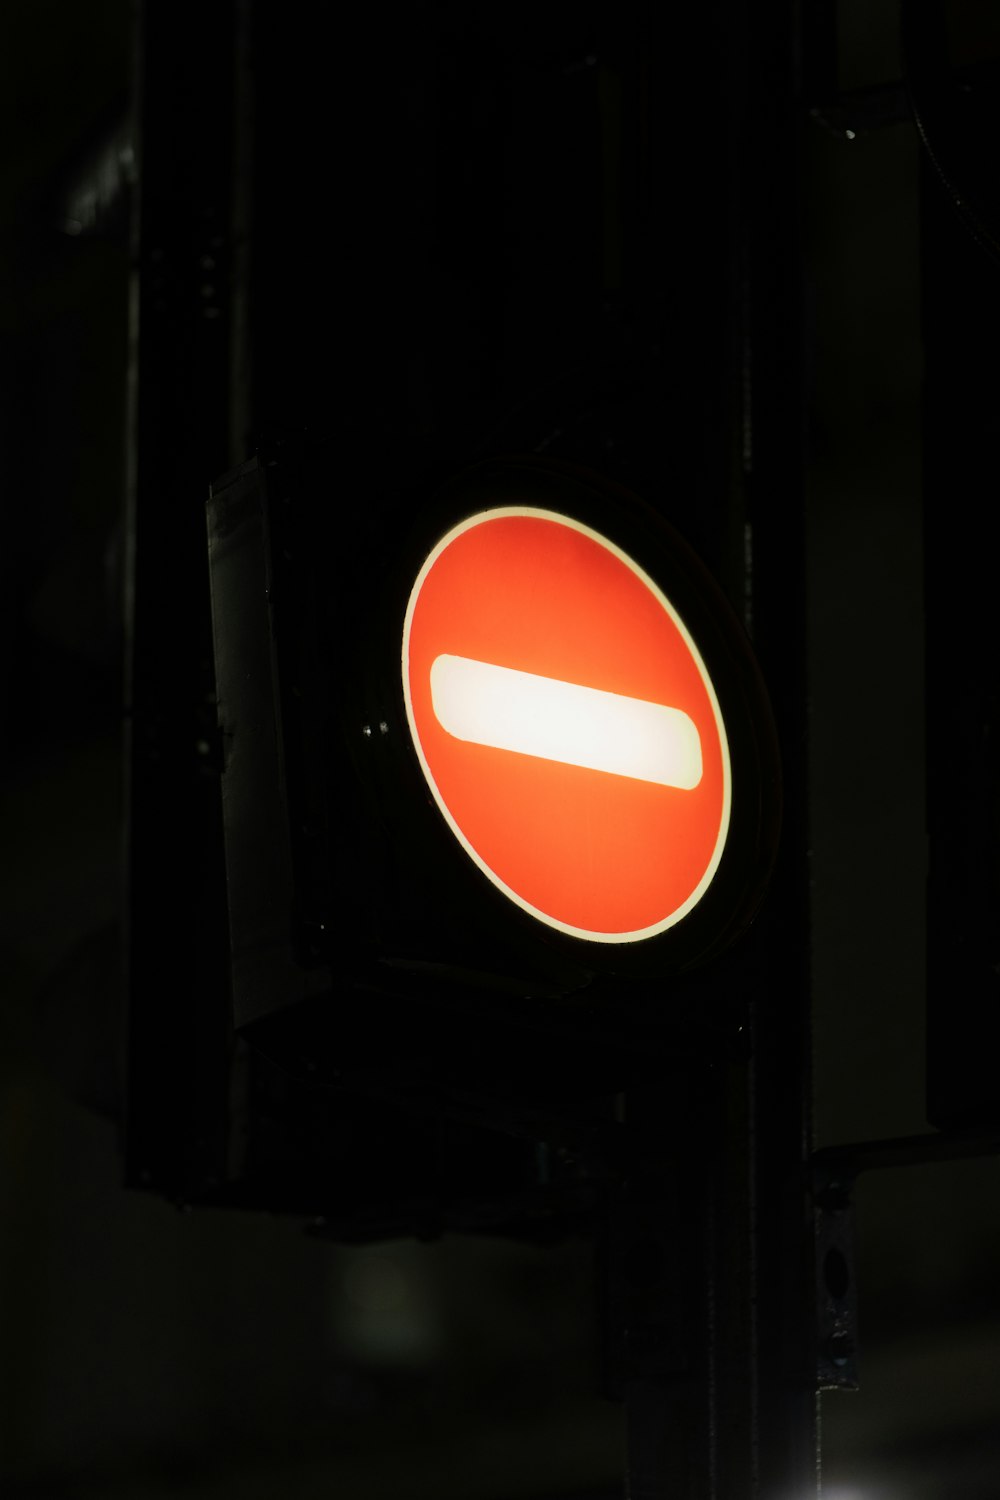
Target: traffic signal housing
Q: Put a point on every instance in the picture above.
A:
(380, 863)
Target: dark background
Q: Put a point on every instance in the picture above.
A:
(148, 1352)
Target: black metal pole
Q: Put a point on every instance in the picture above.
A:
(178, 438)
(720, 1394)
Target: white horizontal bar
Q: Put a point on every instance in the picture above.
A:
(562, 721)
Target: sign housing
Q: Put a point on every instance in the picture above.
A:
(586, 717)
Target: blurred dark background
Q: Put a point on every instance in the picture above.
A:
(150, 1352)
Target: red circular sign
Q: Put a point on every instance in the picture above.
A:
(566, 724)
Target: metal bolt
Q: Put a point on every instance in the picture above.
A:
(839, 1349)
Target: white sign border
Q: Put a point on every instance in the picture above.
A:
(639, 934)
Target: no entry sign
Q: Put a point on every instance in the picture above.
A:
(566, 724)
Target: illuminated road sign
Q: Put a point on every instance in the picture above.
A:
(566, 724)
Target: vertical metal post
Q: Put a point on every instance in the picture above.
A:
(722, 1405)
(779, 1083)
(179, 439)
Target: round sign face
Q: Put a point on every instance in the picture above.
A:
(566, 724)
